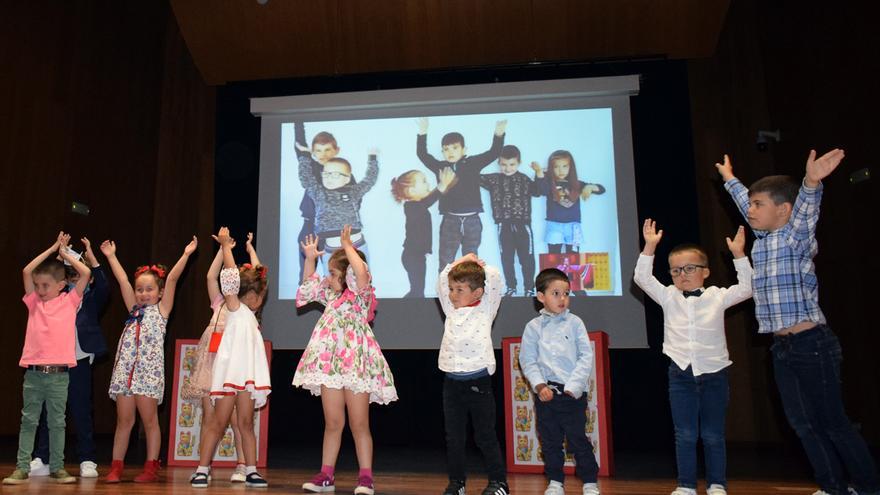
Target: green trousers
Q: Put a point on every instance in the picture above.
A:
(39, 388)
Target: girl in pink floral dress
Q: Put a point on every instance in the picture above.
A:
(342, 362)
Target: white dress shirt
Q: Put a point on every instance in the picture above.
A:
(467, 337)
(693, 327)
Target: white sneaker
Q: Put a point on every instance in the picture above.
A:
(715, 489)
(591, 489)
(554, 488)
(38, 468)
(88, 469)
(239, 474)
(684, 491)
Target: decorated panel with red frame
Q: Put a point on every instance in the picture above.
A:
(523, 449)
(186, 421)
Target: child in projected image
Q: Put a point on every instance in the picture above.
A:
(511, 194)
(324, 147)
(412, 189)
(337, 197)
(563, 210)
(461, 205)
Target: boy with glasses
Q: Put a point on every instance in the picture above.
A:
(693, 338)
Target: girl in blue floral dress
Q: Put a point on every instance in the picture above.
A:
(138, 380)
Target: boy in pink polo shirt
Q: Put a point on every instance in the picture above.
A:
(48, 352)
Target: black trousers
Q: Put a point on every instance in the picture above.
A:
(474, 399)
(515, 238)
(565, 417)
(414, 263)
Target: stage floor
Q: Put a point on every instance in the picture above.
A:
(175, 480)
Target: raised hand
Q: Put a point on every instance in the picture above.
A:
(725, 169)
(310, 247)
(500, 127)
(422, 122)
(249, 243)
(90, 255)
(59, 241)
(650, 232)
(738, 244)
(345, 237)
(191, 247)
(539, 172)
(63, 242)
(223, 238)
(819, 168)
(108, 247)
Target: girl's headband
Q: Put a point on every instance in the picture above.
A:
(160, 272)
(261, 269)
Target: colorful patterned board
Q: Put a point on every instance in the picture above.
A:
(184, 434)
(523, 448)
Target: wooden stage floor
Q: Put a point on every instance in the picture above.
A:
(176, 481)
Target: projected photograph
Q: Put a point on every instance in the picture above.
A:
(522, 190)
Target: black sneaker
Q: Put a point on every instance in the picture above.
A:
(254, 480)
(199, 480)
(455, 487)
(530, 293)
(509, 292)
(497, 488)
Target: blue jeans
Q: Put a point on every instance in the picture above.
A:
(699, 409)
(807, 369)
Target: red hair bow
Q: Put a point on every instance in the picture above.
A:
(262, 270)
(153, 268)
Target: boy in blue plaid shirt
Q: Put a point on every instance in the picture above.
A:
(806, 353)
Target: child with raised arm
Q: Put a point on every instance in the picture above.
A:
(511, 195)
(240, 372)
(199, 386)
(694, 340)
(324, 147)
(342, 362)
(461, 205)
(564, 191)
(470, 293)
(337, 196)
(412, 189)
(138, 379)
(806, 352)
(556, 357)
(90, 343)
(47, 355)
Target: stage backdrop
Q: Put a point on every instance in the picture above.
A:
(587, 118)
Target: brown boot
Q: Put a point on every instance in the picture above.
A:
(115, 474)
(150, 474)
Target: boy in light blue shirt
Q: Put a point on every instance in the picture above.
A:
(556, 357)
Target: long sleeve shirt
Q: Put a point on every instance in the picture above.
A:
(463, 197)
(564, 210)
(511, 196)
(693, 327)
(785, 283)
(467, 336)
(556, 348)
(335, 208)
(418, 223)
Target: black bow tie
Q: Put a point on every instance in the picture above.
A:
(695, 293)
